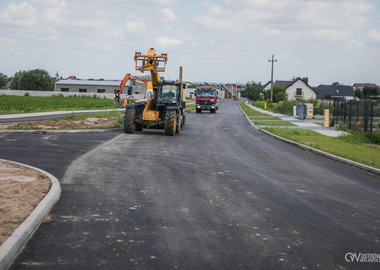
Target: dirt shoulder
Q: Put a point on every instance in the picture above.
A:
(88, 123)
(21, 190)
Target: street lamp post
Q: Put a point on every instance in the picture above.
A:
(271, 78)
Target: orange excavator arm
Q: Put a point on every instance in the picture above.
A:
(119, 90)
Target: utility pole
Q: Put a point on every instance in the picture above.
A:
(271, 78)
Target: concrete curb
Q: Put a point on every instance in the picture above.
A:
(318, 152)
(50, 131)
(12, 246)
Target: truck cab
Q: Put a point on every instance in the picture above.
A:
(206, 99)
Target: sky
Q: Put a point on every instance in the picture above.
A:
(217, 41)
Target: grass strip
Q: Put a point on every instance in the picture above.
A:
(251, 112)
(342, 146)
(254, 118)
(28, 104)
(274, 123)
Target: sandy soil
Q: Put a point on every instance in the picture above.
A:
(21, 190)
(63, 124)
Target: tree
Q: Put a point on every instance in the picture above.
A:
(358, 93)
(367, 91)
(253, 91)
(375, 91)
(279, 94)
(16, 78)
(37, 79)
(3, 80)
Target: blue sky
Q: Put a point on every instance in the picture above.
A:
(216, 41)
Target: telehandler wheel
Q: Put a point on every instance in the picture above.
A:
(129, 120)
(170, 122)
(178, 124)
(183, 120)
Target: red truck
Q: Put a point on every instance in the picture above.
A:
(206, 99)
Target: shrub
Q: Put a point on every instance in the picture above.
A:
(26, 94)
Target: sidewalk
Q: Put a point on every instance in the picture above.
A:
(304, 124)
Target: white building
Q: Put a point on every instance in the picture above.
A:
(99, 87)
(299, 89)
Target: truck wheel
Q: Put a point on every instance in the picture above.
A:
(170, 122)
(129, 120)
(183, 120)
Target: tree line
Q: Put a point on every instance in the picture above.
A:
(255, 91)
(36, 79)
(367, 92)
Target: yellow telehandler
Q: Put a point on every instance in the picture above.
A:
(166, 108)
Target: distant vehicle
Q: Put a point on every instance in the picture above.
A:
(206, 99)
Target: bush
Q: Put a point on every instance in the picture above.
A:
(26, 94)
(285, 107)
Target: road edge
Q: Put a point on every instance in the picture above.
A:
(16, 241)
(316, 151)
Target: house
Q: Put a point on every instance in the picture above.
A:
(300, 89)
(336, 90)
(360, 86)
(235, 90)
(282, 84)
(228, 92)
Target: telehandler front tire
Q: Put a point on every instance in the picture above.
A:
(129, 120)
(170, 122)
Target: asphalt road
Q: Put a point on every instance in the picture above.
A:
(221, 195)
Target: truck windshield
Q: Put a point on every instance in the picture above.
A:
(167, 93)
(206, 93)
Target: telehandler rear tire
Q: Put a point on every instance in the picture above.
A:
(170, 122)
(129, 120)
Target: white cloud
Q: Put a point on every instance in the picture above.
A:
(374, 37)
(136, 26)
(22, 14)
(167, 15)
(166, 42)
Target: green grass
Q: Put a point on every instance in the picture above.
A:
(190, 107)
(319, 123)
(273, 123)
(27, 104)
(343, 146)
(251, 112)
(254, 118)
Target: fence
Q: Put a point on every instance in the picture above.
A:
(352, 112)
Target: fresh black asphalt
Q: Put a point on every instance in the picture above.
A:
(220, 195)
